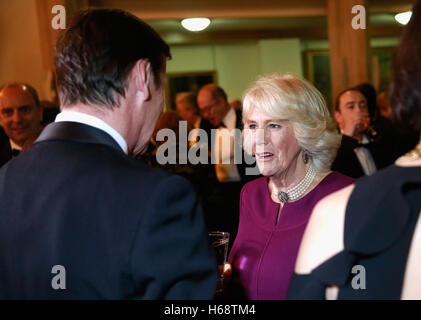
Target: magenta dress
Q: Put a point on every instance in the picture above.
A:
(264, 252)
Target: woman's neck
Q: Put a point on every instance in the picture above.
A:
(289, 177)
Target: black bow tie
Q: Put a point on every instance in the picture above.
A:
(15, 152)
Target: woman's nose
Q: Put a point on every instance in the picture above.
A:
(261, 136)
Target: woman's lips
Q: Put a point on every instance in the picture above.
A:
(264, 156)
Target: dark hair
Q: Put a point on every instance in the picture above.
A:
(96, 53)
(338, 97)
(405, 91)
(370, 94)
(22, 85)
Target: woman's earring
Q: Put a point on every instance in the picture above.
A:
(305, 157)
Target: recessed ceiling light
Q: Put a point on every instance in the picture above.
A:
(403, 17)
(195, 24)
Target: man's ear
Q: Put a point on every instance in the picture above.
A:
(143, 76)
(338, 117)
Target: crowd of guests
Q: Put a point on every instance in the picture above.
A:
(298, 202)
(368, 142)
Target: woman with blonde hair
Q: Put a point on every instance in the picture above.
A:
(364, 242)
(289, 130)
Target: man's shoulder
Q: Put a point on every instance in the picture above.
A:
(136, 168)
(98, 159)
(96, 166)
(5, 145)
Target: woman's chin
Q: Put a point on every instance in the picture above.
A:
(265, 170)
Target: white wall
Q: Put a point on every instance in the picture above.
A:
(191, 58)
(238, 64)
(20, 53)
(281, 55)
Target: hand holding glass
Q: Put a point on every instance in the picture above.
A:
(219, 241)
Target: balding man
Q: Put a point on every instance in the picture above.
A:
(20, 117)
(214, 106)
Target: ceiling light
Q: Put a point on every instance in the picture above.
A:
(403, 17)
(195, 24)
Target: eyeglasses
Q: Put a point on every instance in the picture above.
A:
(207, 109)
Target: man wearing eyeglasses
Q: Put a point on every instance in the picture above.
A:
(20, 117)
(221, 205)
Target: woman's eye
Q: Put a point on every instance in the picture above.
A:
(252, 126)
(274, 125)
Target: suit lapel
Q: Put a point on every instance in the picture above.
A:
(78, 132)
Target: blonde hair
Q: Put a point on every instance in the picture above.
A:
(291, 98)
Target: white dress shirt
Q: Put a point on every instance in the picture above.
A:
(92, 121)
(365, 158)
(13, 145)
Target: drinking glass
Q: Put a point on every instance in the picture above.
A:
(219, 241)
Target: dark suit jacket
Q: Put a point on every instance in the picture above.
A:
(347, 163)
(207, 126)
(119, 228)
(5, 152)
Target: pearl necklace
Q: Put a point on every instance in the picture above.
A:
(298, 190)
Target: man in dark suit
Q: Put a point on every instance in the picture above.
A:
(20, 117)
(361, 152)
(82, 219)
(222, 209)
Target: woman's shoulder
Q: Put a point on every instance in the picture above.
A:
(255, 185)
(338, 179)
(332, 182)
